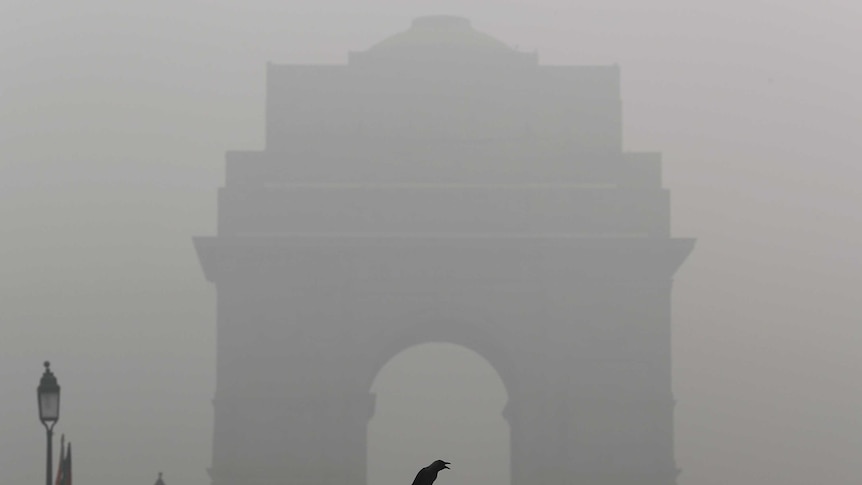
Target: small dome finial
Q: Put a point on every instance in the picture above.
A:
(441, 22)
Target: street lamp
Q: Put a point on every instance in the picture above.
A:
(48, 394)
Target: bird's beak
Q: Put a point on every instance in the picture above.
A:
(444, 465)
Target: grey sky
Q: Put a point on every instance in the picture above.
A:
(114, 118)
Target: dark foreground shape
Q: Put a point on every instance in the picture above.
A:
(427, 475)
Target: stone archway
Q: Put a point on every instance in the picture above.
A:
(438, 400)
(354, 235)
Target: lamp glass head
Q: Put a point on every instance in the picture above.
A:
(49, 406)
(49, 396)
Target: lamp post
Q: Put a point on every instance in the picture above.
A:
(48, 394)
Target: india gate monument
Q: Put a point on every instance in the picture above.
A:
(443, 187)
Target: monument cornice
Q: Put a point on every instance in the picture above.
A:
(559, 254)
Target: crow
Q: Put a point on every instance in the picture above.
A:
(427, 475)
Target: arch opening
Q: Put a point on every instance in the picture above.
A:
(439, 401)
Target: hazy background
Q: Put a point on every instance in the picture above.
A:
(114, 118)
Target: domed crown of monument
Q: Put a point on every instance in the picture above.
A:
(443, 38)
(440, 31)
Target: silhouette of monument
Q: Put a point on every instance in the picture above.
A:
(442, 186)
